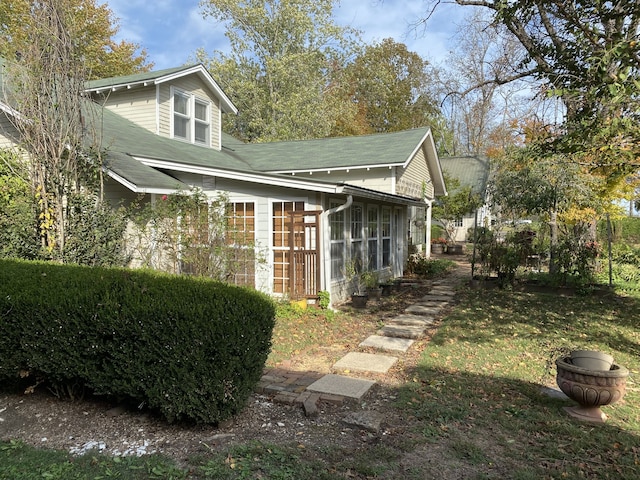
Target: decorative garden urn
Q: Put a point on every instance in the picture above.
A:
(590, 388)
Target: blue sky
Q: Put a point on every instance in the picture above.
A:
(171, 30)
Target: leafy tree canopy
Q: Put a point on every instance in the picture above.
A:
(282, 69)
(92, 28)
(389, 84)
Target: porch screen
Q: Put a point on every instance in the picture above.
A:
(386, 237)
(336, 223)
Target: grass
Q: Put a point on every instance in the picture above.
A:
(472, 406)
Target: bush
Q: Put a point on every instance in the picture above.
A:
(426, 267)
(188, 348)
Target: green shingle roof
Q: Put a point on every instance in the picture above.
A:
(134, 78)
(331, 153)
(470, 171)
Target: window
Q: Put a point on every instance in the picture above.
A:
(336, 224)
(191, 118)
(372, 238)
(356, 237)
(241, 222)
(385, 225)
(458, 222)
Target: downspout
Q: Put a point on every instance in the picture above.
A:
(326, 246)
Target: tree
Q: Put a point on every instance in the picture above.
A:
(389, 84)
(55, 122)
(461, 201)
(480, 113)
(586, 53)
(92, 28)
(284, 67)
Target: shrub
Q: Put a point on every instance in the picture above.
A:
(426, 267)
(189, 348)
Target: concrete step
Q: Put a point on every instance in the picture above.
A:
(402, 331)
(343, 386)
(365, 362)
(387, 343)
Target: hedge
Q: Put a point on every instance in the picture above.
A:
(189, 348)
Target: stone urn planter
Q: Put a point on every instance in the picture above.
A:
(591, 389)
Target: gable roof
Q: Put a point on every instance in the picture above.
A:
(157, 77)
(470, 170)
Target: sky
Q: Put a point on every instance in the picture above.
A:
(172, 30)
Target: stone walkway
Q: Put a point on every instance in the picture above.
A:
(393, 339)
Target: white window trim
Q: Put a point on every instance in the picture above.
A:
(191, 117)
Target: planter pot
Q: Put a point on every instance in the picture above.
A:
(386, 289)
(374, 293)
(591, 389)
(591, 359)
(454, 249)
(437, 248)
(359, 300)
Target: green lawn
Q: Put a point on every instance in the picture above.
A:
(473, 407)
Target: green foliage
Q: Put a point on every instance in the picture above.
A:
(91, 24)
(284, 67)
(389, 85)
(427, 267)
(95, 233)
(18, 226)
(190, 233)
(324, 299)
(189, 348)
(461, 201)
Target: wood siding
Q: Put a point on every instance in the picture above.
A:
(137, 105)
(411, 179)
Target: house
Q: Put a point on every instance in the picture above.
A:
(470, 171)
(312, 206)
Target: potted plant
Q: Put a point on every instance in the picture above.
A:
(355, 280)
(438, 245)
(371, 283)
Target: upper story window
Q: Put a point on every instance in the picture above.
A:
(191, 118)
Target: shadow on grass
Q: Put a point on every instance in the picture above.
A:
(500, 427)
(609, 322)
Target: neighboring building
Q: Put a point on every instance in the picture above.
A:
(470, 171)
(311, 205)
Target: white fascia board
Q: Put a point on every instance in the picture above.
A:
(10, 111)
(135, 189)
(418, 147)
(206, 76)
(338, 169)
(289, 182)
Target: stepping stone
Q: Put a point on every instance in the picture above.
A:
(365, 362)
(343, 386)
(387, 343)
(432, 303)
(402, 331)
(442, 291)
(436, 298)
(370, 421)
(408, 319)
(423, 310)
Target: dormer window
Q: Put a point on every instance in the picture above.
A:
(191, 118)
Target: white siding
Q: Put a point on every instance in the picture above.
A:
(137, 105)
(411, 179)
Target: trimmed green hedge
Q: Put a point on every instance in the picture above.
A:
(189, 348)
